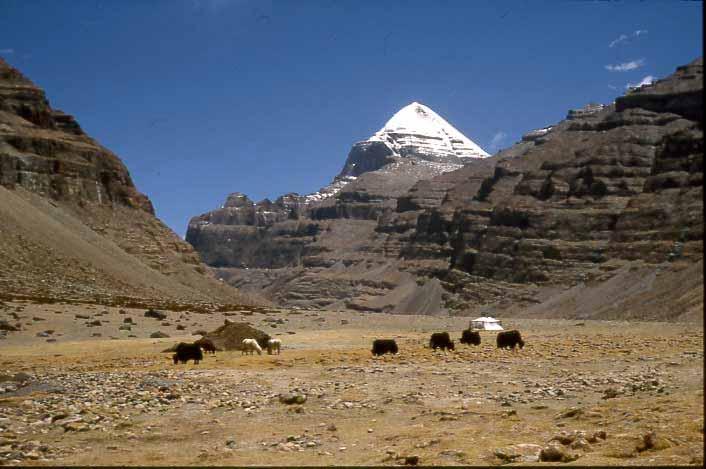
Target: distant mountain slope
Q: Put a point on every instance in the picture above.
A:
(573, 205)
(72, 223)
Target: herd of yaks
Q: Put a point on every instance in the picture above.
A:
(185, 352)
(506, 339)
(442, 340)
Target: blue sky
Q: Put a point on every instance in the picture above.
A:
(201, 98)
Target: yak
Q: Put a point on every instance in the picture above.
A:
(186, 352)
(441, 340)
(470, 337)
(207, 345)
(383, 346)
(510, 339)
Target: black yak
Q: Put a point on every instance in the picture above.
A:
(383, 346)
(441, 340)
(470, 337)
(186, 352)
(207, 345)
(510, 339)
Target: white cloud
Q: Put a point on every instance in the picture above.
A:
(612, 87)
(621, 38)
(649, 79)
(625, 38)
(497, 141)
(626, 66)
(7, 51)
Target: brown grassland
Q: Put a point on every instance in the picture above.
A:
(96, 401)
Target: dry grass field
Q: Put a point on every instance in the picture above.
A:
(588, 393)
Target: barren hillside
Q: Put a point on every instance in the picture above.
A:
(72, 223)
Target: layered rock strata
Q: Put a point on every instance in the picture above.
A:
(572, 203)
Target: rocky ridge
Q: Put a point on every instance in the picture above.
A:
(106, 244)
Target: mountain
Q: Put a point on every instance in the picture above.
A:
(415, 131)
(73, 226)
(415, 144)
(605, 206)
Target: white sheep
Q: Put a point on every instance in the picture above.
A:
(274, 345)
(251, 345)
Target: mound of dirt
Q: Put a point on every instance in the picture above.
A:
(231, 334)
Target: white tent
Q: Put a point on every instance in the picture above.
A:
(486, 323)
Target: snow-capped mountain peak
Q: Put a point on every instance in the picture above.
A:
(418, 129)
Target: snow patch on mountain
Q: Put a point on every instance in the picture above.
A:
(330, 190)
(425, 140)
(417, 129)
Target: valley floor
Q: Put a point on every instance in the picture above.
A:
(90, 400)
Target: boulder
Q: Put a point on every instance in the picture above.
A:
(292, 398)
(523, 452)
(6, 326)
(554, 453)
(159, 335)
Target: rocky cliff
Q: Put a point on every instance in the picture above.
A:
(622, 182)
(46, 152)
(72, 223)
(571, 206)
